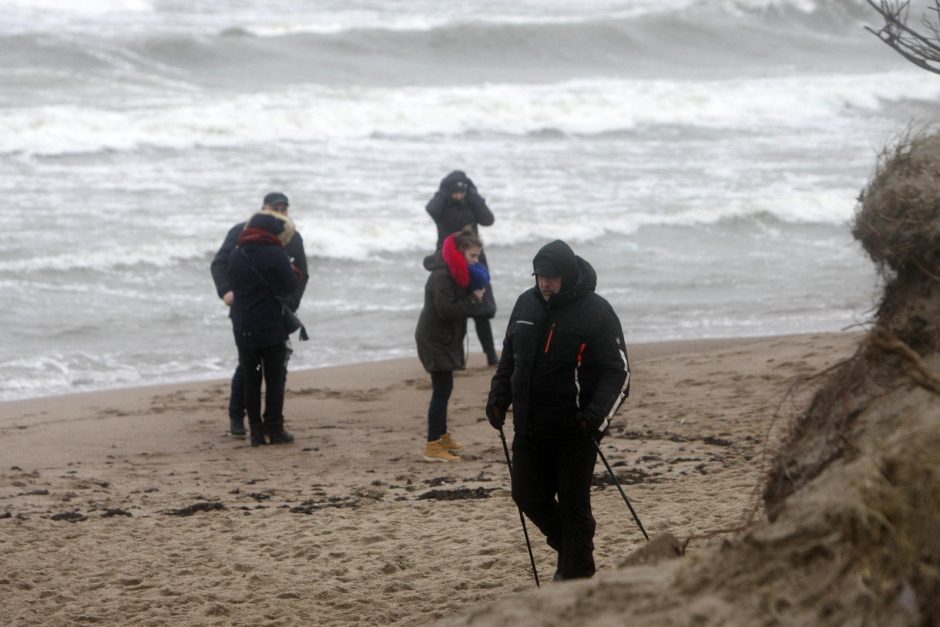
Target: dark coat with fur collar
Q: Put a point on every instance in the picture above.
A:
(256, 312)
(295, 251)
(442, 325)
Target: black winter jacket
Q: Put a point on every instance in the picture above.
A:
(256, 312)
(450, 215)
(219, 265)
(442, 325)
(563, 360)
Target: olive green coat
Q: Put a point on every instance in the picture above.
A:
(442, 325)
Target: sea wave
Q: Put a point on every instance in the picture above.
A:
(75, 7)
(584, 107)
(279, 18)
(521, 14)
(58, 372)
(365, 239)
(382, 46)
(132, 255)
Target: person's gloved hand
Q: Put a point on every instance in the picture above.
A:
(591, 427)
(495, 414)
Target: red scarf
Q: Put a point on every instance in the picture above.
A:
(456, 262)
(252, 235)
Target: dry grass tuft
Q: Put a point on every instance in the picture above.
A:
(898, 218)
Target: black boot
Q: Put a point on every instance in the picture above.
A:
(277, 434)
(257, 433)
(236, 427)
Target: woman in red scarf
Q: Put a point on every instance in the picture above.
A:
(442, 327)
(260, 273)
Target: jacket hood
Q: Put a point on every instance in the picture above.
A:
(434, 261)
(449, 182)
(577, 275)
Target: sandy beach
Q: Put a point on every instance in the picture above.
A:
(135, 506)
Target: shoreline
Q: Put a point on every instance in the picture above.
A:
(663, 347)
(312, 531)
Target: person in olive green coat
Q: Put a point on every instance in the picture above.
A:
(448, 302)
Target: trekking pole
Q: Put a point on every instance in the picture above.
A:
(617, 483)
(525, 531)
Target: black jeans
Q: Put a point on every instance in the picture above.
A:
(485, 335)
(543, 469)
(442, 384)
(268, 364)
(236, 399)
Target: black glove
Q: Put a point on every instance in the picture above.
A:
(495, 414)
(591, 427)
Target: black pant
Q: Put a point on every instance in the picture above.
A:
(485, 335)
(442, 384)
(236, 399)
(542, 469)
(270, 364)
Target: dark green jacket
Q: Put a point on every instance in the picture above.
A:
(442, 325)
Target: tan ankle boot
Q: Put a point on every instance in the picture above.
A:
(435, 452)
(450, 443)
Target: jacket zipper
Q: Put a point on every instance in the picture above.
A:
(548, 342)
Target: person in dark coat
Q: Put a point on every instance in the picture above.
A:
(277, 202)
(455, 205)
(260, 273)
(564, 371)
(442, 326)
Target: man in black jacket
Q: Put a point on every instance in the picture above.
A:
(277, 202)
(564, 371)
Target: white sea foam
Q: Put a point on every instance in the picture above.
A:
(366, 239)
(411, 17)
(76, 7)
(158, 254)
(273, 19)
(579, 107)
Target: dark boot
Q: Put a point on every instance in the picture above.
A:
(257, 434)
(277, 434)
(236, 427)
